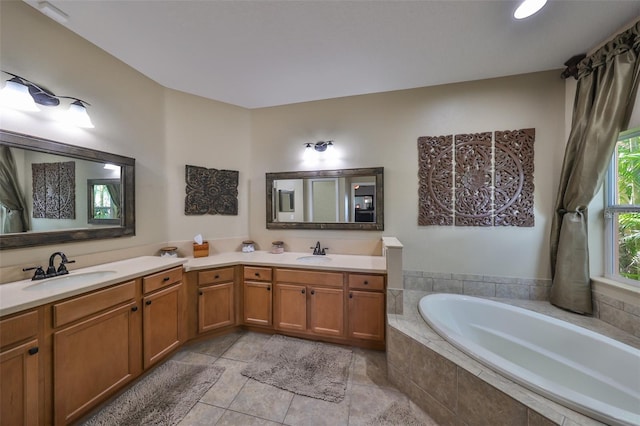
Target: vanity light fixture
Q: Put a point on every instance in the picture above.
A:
(318, 150)
(528, 8)
(25, 95)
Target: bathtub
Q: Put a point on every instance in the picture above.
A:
(578, 368)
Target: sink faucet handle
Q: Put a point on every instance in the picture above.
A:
(62, 270)
(324, 251)
(38, 274)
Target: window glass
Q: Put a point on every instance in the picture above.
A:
(623, 209)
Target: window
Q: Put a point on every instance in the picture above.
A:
(622, 210)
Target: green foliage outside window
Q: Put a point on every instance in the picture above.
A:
(628, 193)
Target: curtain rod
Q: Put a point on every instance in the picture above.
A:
(571, 64)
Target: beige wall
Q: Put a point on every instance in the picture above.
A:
(382, 130)
(126, 111)
(204, 133)
(164, 130)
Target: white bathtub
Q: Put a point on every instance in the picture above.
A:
(580, 369)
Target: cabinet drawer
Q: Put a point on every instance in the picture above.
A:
(82, 306)
(161, 279)
(370, 282)
(257, 274)
(215, 276)
(330, 279)
(18, 328)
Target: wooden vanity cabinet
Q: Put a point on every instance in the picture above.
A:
(216, 307)
(96, 348)
(162, 315)
(19, 370)
(310, 302)
(366, 307)
(257, 296)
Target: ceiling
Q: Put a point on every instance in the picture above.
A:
(273, 52)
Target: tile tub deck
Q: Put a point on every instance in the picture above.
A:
(457, 390)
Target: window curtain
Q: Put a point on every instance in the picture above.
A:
(115, 194)
(606, 90)
(16, 216)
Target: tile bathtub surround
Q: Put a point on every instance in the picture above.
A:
(237, 400)
(454, 389)
(478, 285)
(619, 313)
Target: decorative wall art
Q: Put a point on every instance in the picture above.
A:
(479, 179)
(211, 191)
(54, 190)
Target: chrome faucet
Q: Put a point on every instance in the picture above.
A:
(318, 251)
(62, 269)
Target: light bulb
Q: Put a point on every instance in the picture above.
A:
(76, 115)
(16, 95)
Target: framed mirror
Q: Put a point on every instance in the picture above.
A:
(46, 187)
(326, 199)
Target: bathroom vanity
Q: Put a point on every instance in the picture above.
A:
(69, 343)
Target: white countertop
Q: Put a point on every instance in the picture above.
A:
(25, 294)
(330, 262)
(20, 295)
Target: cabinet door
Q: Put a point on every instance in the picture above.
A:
(19, 385)
(366, 315)
(92, 359)
(162, 323)
(215, 307)
(290, 307)
(327, 311)
(257, 303)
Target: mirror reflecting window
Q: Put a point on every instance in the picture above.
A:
(326, 199)
(104, 201)
(46, 184)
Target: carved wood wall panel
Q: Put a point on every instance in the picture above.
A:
(435, 173)
(54, 190)
(513, 195)
(473, 179)
(211, 191)
(483, 179)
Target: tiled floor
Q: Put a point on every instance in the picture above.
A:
(237, 400)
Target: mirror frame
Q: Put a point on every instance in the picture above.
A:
(378, 225)
(127, 225)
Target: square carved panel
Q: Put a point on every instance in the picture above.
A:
(211, 191)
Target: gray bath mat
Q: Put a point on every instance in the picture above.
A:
(317, 370)
(163, 397)
(397, 414)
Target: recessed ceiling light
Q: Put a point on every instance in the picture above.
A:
(52, 12)
(528, 8)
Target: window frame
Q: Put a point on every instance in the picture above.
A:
(612, 269)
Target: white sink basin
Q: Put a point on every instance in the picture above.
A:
(69, 280)
(314, 260)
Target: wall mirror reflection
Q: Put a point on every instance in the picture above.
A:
(326, 199)
(52, 192)
(104, 201)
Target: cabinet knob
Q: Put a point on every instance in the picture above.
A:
(148, 302)
(366, 282)
(350, 295)
(200, 293)
(33, 351)
(134, 309)
(166, 279)
(303, 291)
(313, 292)
(216, 277)
(257, 274)
(268, 288)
